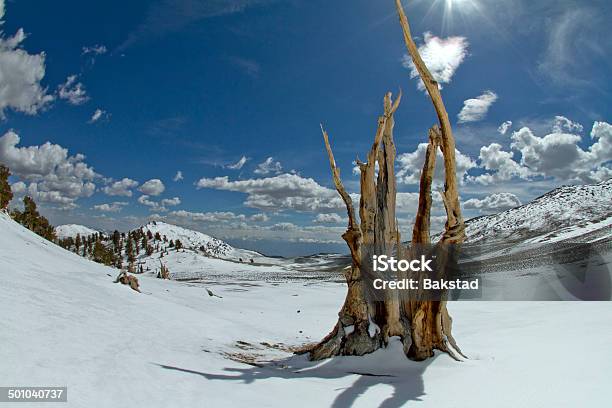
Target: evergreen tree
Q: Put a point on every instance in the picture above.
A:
(178, 244)
(117, 241)
(32, 220)
(157, 236)
(6, 194)
(77, 242)
(149, 234)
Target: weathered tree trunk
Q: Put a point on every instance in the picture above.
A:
(365, 325)
(431, 323)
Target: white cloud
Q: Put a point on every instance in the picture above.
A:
(21, 74)
(153, 205)
(476, 109)
(209, 217)
(97, 49)
(557, 155)
(112, 207)
(238, 165)
(170, 202)
(268, 166)
(504, 127)
(97, 115)
(122, 187)
(500, 165)
(153, 187)
(52, 174)
(493, 203)
(284, 226)
(73, 91)
(411, 164)
(178, 176)
(261, 217)
(282, 192)
(442, 56)
(331, 218)
(561, 124)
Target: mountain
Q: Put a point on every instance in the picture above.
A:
(71, 230)
(197, 240)
(580, 213)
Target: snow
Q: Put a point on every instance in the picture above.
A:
(562, 213)
(195, 239)
(71, 230)
(64, 322)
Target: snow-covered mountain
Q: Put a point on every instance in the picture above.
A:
(581, 212)
(197, 240)
(71, 230)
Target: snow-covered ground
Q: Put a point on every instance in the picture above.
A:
(64, 322)
(72, 230)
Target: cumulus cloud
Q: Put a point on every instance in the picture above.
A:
(493, 203)
(411, 164)
(170, 202)
(21, 74)
(122, 187)
(178, 176)
(476, 109)
(52, 175)
(261, 217)
(561, 124)
(239, 164)
(504, 127)
(112, 207)
(97, 115)
(331, 218)
(269, 166)
(282, 192)
(72, 91)
(153, 205)
(153, 187)
(557, 155)
(441, 55)
(500, 165)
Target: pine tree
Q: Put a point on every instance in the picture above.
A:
(117, 241)
(77, 242)
(32, 220)
(157, 236)
(178, 244)
(6, 194)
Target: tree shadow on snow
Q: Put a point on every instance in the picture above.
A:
(382, 367)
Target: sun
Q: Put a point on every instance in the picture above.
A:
(453, 9)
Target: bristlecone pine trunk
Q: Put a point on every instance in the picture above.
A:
(363, 325)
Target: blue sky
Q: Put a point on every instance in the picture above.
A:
(195, 86)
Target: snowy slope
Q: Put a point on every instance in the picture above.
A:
(71, 230)
(65, 323)
(193, 239)
(567, 212)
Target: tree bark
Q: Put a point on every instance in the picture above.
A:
(363, 325)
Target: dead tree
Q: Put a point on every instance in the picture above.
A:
(423, 325)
